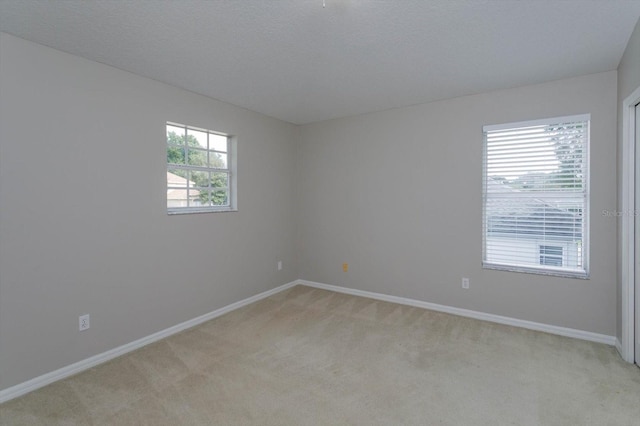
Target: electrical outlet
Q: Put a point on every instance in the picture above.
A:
(345, 267)
(465, 283)
(85, 322)
(279, 265)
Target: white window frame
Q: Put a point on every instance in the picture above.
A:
(231, 171)
(582, 271)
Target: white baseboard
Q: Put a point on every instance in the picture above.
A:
(619, 347)
(64, 372)
(547, 328)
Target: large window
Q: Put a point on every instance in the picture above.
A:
(199, 170)
(536, 196)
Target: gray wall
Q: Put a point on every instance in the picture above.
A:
(83, 223)
(397, 195)
(628, 81)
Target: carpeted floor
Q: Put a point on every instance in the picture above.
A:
(314, 357)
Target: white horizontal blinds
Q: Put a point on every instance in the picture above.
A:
(536, 195)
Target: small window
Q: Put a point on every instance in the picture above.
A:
(536, 196)
(200, 174)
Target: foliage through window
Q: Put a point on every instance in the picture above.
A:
(199, 175)
(536, 196)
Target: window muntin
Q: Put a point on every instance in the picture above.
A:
(536, 196)
(199, 175)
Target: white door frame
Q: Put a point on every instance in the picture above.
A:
(627, 345)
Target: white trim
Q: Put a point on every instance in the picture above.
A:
(547, 328)
(197, 210)
(64, 372)
(627, 242)
(618, 345)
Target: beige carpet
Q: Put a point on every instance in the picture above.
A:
(314, 357)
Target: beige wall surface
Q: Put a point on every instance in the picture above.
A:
(628, 81)
(398, 196)
(83, 223)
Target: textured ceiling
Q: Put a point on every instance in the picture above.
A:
(300, 62)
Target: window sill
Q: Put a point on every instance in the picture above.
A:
(172, 212)
(582, 275)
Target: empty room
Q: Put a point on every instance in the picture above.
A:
(319, 212)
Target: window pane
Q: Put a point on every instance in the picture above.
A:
(176, 197)
(212, 198)
(220, 198)
(551, 250)
(197, 138)
(197, 157)
(550, 260)
(175, 135)
(541, 158)
(194, 198)
(551, 255)
(175, 154)
(203, 196)
(217, 160)
(197, 178)
(177, 178)
(217, 142)
(219, 180)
